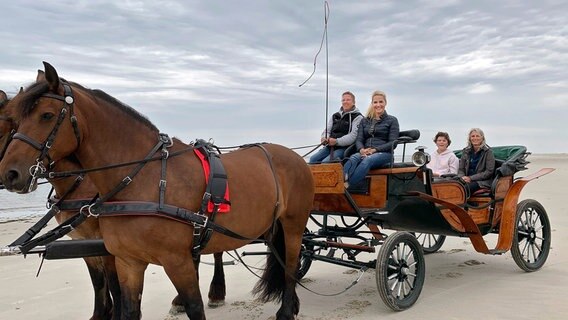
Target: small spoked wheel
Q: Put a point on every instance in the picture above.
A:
(400, 271)
(430, 242)
(308, 250)
(531, 242)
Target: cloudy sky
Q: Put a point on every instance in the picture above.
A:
(230, 70)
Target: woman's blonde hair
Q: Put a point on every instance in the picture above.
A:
(478, 131)
(371, 111)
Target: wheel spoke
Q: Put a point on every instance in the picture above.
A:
(410, 274)
(412, 264)
(410, 286)
(538, 248)
(399, 288)
(536, 217)
(524, 249)
(392, 276)
(408, 255)
(534, 252)
(524, 233)
(393, 285)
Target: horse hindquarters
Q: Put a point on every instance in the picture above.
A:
(278, 282)
(297, 199)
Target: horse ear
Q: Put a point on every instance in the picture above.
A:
(40, 76)
(3, 96)
(21, 90)
(51, 77)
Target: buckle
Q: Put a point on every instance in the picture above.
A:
(166, 139)
(162, 184)
(89, 212)
(203, 224)
(127, 180)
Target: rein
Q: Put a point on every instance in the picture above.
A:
(25, 240)
(70, 173)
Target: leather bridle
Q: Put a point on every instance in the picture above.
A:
(40, 168)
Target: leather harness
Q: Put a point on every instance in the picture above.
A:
(100, 206)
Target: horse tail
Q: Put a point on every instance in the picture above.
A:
(271, 285)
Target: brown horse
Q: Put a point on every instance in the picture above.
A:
(101, 269)
(271, 190)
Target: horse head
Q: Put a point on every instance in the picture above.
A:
(7, 124)
(46, 132)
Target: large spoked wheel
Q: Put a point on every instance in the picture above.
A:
(430, 242)
(400, 271)
(531, 243)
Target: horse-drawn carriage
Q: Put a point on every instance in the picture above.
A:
(406, 197)
(269, 181)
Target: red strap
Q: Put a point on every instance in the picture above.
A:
(224, 207)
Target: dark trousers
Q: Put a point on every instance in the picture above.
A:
(472, 187)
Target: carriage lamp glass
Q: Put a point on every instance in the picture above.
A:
(420, 157)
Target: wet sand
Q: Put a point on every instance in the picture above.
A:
(460, 283)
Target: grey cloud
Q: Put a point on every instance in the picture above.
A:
(445, 64)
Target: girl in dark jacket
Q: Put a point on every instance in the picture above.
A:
(375, 141)
(477, 163)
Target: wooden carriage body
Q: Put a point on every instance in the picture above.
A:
(406, 197)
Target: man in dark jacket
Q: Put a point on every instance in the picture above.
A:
(340, 132)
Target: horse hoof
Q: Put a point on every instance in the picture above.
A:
(175, 310)
(215, 303)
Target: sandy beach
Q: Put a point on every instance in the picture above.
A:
(460, 283)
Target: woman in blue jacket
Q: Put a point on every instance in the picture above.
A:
(375, 141)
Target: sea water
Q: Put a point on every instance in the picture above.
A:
(15, 206)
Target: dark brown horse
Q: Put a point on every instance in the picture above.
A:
(271, 190)
(101, 269)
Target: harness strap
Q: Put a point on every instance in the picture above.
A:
(277, 185)
(36, 145)
(167, 142)
(215, 192)
(128, 179)
(151, 208)
(54, 209)
(36, 228)
(57, 233)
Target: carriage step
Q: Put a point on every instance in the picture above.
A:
(497, 252)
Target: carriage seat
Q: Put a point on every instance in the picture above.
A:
(508, 161)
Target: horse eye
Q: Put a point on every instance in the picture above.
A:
(47, 116)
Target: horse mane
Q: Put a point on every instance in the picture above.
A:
(33, 92)
(30, 96)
